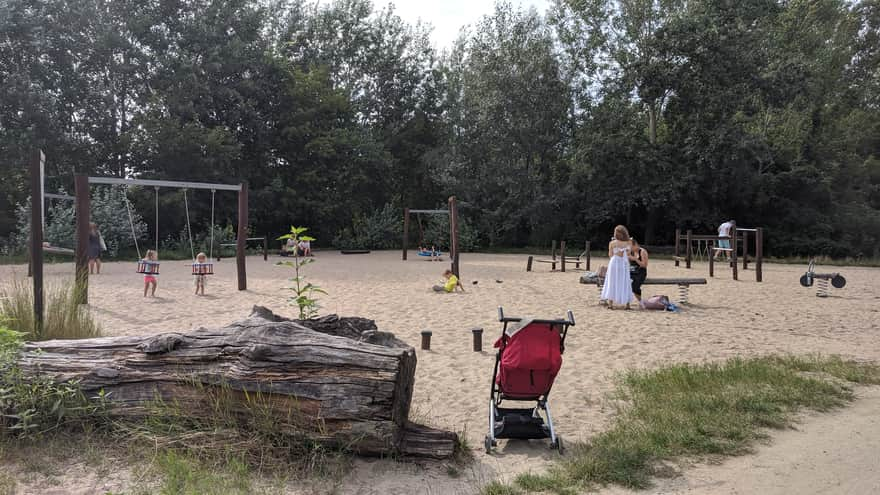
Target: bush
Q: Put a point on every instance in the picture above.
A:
(381, 230)
(108, 210)
(63, 317)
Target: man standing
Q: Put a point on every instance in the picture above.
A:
(724, 233)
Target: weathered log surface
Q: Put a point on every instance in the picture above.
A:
(339, 381)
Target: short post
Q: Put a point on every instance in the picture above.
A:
(478, 339)
(712, 260)
(405, 230)
(687, 259)
(241, 242)
(675, 253)
(81, 188)
(36, 262)
(529, 264)
(759, 254)
(426, 340)
(587, 250)
(562, 254)
(733, 246)
(266, 248)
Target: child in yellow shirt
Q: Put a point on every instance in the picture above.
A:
(450, 284)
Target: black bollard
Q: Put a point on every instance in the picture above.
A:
(478, 339)
(426, 340)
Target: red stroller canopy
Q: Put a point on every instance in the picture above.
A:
(530, 360)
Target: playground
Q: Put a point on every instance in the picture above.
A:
(725, 318)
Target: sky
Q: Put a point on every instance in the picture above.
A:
(448, 16)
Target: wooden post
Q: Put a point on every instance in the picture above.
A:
(745, 250)
(241, 242)
(405, 230)
(759, 254)
(36, 167)
(81, 188)
(553, 252)
(266, 248)
(675, 252)
(478, 339)
(587, 250)
(562, 254)
(733, 264)
(712, 260)
(453, 227)
(687, 259)
(529, 264)
(426, 340)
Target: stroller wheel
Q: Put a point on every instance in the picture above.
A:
(488, 443)
(558, 445)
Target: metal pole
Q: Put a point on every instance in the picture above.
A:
(241, 242)
(36, 166)
(81, 188)
(677, 239)
(687, 259)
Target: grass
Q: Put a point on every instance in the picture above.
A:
(63, 317)
(696, 411)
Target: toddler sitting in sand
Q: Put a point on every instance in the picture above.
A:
(451, 283)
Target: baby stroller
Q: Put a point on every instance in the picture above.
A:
(528, 359)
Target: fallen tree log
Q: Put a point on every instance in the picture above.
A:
(337, 381)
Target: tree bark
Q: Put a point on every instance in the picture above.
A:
(337, 381)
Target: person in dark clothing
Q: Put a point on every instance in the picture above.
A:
(96, 245)
(638, 267)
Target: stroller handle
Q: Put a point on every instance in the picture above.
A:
(569, 321)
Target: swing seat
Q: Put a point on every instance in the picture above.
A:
(148, 267)
(203, 268)
(429, 253)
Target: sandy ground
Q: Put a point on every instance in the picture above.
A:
(725, 318)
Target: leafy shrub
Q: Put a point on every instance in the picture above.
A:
(381, 230)
(108, 210)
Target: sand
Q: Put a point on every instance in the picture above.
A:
(725, 318)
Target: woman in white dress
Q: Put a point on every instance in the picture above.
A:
(618, 286)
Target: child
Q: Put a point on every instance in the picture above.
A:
(150, 274)
(451, 283)
(200, 280)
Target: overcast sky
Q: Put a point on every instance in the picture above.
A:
(448, 16)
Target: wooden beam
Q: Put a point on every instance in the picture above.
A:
(453, 227)
(36, 170)
(759, 254)
(733, 263)
(675, 253)
(431, 212)
(83, 200)
(529, 264)
(165, 183)
(587, 250)
(241, 242)
(745, 241)
(405, 231)
(562, 254)
(688, 249)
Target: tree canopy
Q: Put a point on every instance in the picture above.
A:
(546, 125)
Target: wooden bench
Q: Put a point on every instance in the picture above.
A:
(684, 284)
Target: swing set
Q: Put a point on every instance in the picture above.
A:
(452, 211)
(82, 199)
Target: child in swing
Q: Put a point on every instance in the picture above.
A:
(200, 280)
(150, 279)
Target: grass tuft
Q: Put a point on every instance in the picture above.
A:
(698, 410)
(63, 317)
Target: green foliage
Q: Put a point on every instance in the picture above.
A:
(63, 317)
(183, 474)
(303, 292)
(108, 211)
(381, 229)
(653, 114)
(697, 410)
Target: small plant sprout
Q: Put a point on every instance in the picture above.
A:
(303, 291)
